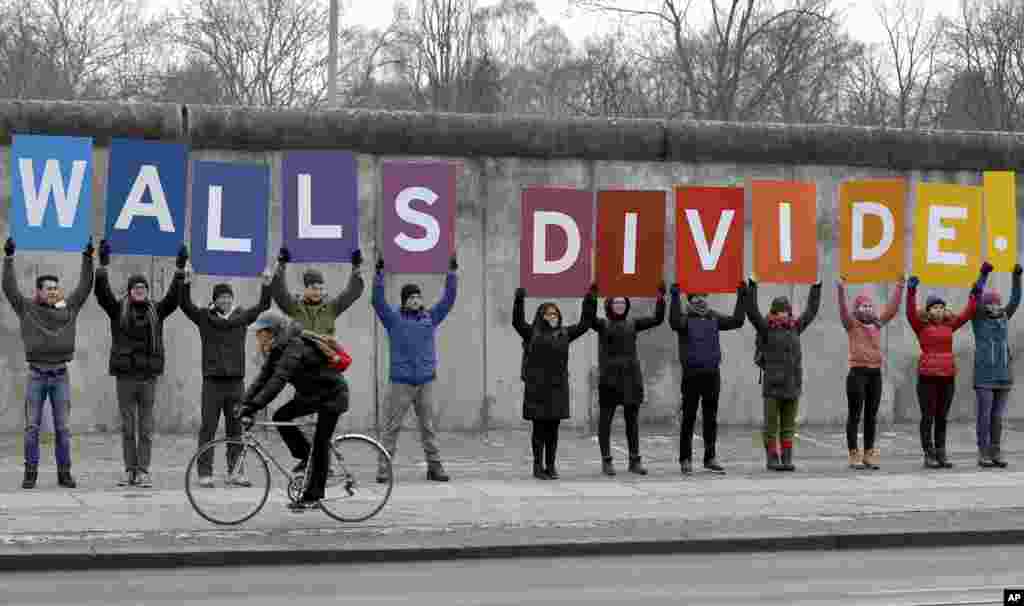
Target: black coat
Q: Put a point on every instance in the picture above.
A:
(545, 367)
(622, 380)
(783, 357)
(223, 339)
(137, 330)
(296, 360)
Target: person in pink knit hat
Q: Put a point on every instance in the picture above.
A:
(864, 381)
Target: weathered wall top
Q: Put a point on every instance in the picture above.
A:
(469, 135)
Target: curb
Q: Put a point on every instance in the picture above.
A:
(271, 557)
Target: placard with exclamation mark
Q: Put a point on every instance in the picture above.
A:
(1001, 219)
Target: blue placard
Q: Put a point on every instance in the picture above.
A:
(51, 192)
(146, 197)
(229, 218)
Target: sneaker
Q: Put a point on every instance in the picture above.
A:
(127, 479)
(713, 466)
(303, 505)
(206, 481)
(239, 479)
(686, 467)
(143, 480)
(435, 473)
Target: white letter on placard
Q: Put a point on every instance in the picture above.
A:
(629, 244)
(936, 233)
(709, 255)
(306, 227)
(148, 177)
(861, 210)
(786, 232)
(214, 239)
(427, 222)
(53, 182)
(541, 220)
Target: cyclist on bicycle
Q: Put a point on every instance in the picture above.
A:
(293, 358)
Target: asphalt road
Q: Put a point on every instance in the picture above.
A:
(891, 577)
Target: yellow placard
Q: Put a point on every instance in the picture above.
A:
(947, 234)
(1001, 219)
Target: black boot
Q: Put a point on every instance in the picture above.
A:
(997, 438)
(930, 460)
(772, 458)
(31, 474)
(635, 466)
(538, 471)
(940, 457)
(607, 467)
(787, 460)
(64, 477)
(435, 472)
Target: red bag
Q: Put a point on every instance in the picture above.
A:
(337, 357)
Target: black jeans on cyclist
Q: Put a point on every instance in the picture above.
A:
(326, 422)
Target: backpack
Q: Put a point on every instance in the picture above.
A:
(337, 358)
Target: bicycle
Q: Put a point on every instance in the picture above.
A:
(348, 482)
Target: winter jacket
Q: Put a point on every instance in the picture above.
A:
(412, 334)
(48, 332)
(136, 329)
(315, 317)
(700, 349)
(992, 355)
(622, 380)
(296, 360)
(866, 339)
(936, 338)
(783, 356)
(223, 337)
(545, 366)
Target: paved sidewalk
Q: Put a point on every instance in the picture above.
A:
(493, 506)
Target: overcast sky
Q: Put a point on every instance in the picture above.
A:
(861, 18)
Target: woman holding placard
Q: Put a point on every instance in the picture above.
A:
(780, 356)
(545, 373)
(864, 382)
(993, 377)
(936, 371)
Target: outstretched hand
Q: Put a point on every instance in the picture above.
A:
(913, 282)
(1018, 270)
(675, 289)
(104, 252)
(357, 258)
(9, 247)
(520, 293)
(284, 256)
(453, 265)
(662, 289)
(380, 265)
(986, 268)
(89, 248)
(182, 257)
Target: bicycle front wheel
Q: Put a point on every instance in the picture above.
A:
(233, 495)
(353, 493)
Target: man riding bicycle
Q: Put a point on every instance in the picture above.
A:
(293, 357)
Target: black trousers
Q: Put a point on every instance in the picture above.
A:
(935, 396)
(863, 393)
(544, 441)
(631, 414)
(326, 422)
(700, 390)
(219, 396)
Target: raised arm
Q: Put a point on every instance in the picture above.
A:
(736, 321)
(387, 314)
(279, 290)
(893, 307)
(648, 322)
(813, 305)
(355, 287)
(104, 296)
(10, 283)
(587, 316)
(753, 313)
(172, 299)
(676, 317)
(972, 301)
(440, 311)
(86, 277)
(250, 314)
(519, 314)
(913, 316)
(844, 310)
(187, 306)
(1014, 303)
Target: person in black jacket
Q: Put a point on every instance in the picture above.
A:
(622, 381)
(137, 357)
(700, 354)
(222, 327)
(294, 359)
(545, 373)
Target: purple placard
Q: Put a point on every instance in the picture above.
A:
(418, 208)
(320, 206)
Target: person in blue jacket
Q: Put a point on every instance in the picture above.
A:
(411, 331)
(993, 377)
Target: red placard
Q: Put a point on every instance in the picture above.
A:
(709, 238)
(630, 243)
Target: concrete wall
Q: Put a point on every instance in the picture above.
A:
(479, 386)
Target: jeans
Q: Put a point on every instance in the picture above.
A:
(219, 396)
(863, 393)
(421, 399)
(991, 407)
(135, 399)
(700, 390)
(46, 384)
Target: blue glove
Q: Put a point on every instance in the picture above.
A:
(913, 282)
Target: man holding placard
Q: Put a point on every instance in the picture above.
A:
(312, 310)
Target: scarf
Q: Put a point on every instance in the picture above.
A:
(128, 318)
(869, 319)
(784, 321)
(998, 314)
(699, 308)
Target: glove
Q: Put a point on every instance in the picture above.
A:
(357, 258)
(9, 247)
(1018, 270)
(675, 290)
(380, 265)
(593, 290)
(104, 253)
(913, 282)
(244, 409)
(520, 293)
(453, 265)
(89, 248)
(661, 289)
(284, 256)
(986, 268)
(182, 257)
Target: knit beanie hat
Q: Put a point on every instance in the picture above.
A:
(862, 300)
(312, 276)
(781, 305)
(693, 295)
(409, 290)
(991, 298)
(933, 300)
(136, 279)
(222, 289)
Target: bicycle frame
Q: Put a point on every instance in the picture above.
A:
(249, 438)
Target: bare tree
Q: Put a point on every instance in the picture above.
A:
(912, 42)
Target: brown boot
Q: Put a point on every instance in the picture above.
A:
(872, 458)
(855, 458)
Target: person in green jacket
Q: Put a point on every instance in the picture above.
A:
(312, 310)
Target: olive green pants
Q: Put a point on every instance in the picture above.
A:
(779, 421)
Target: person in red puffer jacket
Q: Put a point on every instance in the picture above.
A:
(936, 373)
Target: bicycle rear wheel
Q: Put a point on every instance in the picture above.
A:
(226, 500)
(352, 493)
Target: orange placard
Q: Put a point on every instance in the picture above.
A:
(784, 215)
(709, 238)
(630, 242)
(871, 228)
